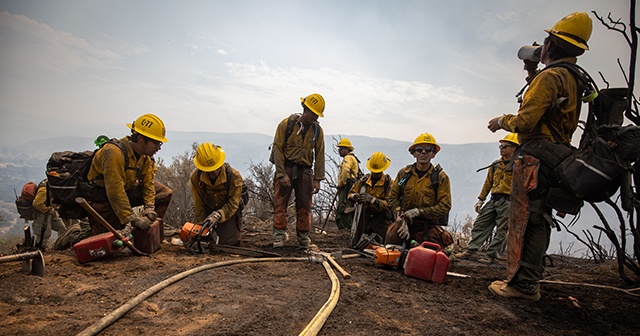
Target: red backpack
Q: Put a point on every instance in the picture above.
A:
(24, 202)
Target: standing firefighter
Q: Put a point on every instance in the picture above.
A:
(421, 198)
(547, 117)
(297, 146)
(349, 169)
(124, 172)
(495, 213)
(373, 191)
(217, 193)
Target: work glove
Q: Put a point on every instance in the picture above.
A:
(214, 218)
(368, 198)
(150, 212)
(410, 214)
(478, 206)
(141, 223)
(403, 231)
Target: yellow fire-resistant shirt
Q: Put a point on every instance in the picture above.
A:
(498, 179)
(378, 191)
(544, 91)
(209, 196)
(108, 171)
(40, 201)
(348, 169)
(419, 194)
(299, 150)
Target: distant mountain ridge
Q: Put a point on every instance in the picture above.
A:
(26, 162)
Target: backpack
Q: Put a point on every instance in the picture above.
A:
(244, 199)
(435, 183)
(24, 202)
(592, 172)
(291, 122)
(67, 179)
(360, 174)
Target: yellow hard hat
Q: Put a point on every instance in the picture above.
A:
(209, 157)
(315, 103)
(150, 126)
(574, 28)
(511, 137)
(378, 162)
(344, 142)
(425, 139)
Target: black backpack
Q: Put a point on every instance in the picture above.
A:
(67, 179)
(244, 199)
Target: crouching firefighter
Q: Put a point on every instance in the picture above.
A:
(421, 198)
(217, 193)
(546, 120)
(123, 175)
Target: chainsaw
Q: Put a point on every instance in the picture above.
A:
(392, 256)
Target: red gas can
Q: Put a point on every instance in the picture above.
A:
(98, 246)
(427, 262)
(149, 241)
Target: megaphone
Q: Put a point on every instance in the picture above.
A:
(530, 53)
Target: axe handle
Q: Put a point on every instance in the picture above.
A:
(96, 215)
(333, 262)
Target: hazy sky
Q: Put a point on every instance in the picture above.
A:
(391, 69)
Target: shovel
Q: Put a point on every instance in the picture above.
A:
(32, 262)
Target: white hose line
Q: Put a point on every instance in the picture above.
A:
(97, 327)
(313, 328)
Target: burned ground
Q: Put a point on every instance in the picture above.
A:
(281, 298)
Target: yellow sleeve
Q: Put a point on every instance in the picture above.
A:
(111, 159)
(278, 153)
(488, 183)
(40, 202)
(198, 198)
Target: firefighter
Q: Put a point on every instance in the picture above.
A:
(376, 214)
(495, 213)
(294, 157)
(217, 193)
(529, 228)
(121, 188)
(45, 218)
(420, 210)
(349, 169)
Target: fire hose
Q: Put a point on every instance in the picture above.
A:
(312, 328)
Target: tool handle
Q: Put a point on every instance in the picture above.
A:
(333, 262)
(83, 203)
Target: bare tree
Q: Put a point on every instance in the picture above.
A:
(176, 176)
(629, 200)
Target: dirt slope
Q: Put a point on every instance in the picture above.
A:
(281, 298)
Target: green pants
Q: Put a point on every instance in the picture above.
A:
(343, 220)
(493, 214)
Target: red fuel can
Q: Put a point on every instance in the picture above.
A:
(427, 262)
(98, 246)
(149, 241)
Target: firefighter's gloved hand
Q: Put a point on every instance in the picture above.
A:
(403, 231)
(368, 198)
(214, 217)
(150, 213)
(410, 214)
(141, 223)
(478, 206)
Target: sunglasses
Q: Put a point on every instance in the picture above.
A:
(505, 146)
(424, 150)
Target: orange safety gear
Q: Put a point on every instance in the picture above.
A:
(315, 103)
(378, 162)
(150, 126)
(344, 142)
(209, 157)
(574, 28)
(425, 138)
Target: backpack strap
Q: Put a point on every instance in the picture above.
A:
(227, 183)
(435, 180)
